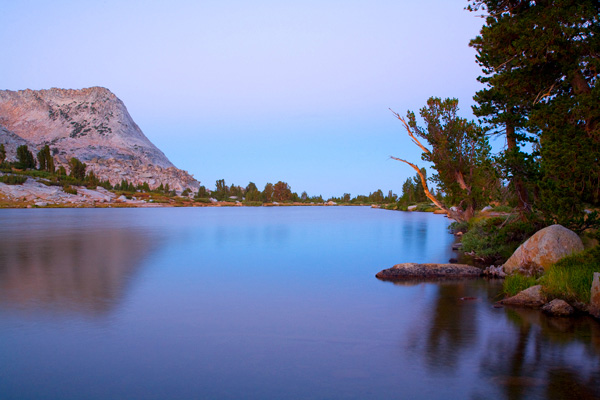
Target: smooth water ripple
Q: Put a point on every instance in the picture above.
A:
(264, 303)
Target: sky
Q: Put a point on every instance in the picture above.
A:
(259, 91)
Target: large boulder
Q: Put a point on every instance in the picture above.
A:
(414, 271)
(544, 248)
(530, 297)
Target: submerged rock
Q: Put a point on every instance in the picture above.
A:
(558, 308)
(408, 271)
(544, 248)
(530, 297)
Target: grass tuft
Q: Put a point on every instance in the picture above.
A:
(515, 283)
(571, 277)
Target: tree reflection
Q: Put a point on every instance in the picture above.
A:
(518, 353)
(77, 271)
(543, 357)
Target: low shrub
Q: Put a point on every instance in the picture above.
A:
(13, 179)
(503, 209)
(493, 240)
(456, 227)
(425, 207)
(571, 277)
(37, 174)
(249, 203)
(515, 283)
(205, 200)
(69, 189)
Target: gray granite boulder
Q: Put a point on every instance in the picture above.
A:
(414, 271)
(544, 248)
(558, 308)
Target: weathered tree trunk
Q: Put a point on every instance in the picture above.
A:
(581, 87)
(456, 215)
(517, 180)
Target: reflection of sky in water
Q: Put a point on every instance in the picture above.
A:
(262, 303)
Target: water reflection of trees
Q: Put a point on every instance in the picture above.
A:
(78, 271)
(523, 354)
(450, 326)
(544, 357)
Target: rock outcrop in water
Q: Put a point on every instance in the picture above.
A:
(91, 124)
(412, 271)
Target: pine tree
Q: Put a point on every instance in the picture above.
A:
(77, 169)
(25, 158)
(541, 66)
(2, 153)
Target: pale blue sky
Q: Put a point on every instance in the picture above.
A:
(256, 90)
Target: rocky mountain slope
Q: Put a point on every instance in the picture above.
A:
(91, 124)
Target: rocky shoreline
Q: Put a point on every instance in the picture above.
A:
(537, 254)
(35, 192)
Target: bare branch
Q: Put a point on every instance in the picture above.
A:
(410, 132)
(431, 197)
(505, 62)
(541, 96)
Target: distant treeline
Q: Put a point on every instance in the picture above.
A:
(281, 192)
(42, 166)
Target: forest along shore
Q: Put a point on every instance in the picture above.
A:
(33, 193)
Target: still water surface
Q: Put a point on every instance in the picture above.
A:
(263, 303)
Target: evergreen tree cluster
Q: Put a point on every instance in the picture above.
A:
(540, 69)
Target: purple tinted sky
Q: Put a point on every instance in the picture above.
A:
(256, 90)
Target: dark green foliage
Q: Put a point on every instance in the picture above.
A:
(126, 186)
(376, 197)
(202, 193)
(236, 191)
(252, 203)
(13, 179)
(456, 227)
(282, 192)
(493, 240)
(268, 193)
(252, 193)
(45, 160)
(460, 154)
(106, 185)
(412, 191)
(2, 153)
(571, 278)
(25, 158)
(77, 169)
(91, 180)
(186, 192)
(69, 189)
(222, 191)
(540, 63)
(62, 171)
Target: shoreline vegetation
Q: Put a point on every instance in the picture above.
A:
(543, 102)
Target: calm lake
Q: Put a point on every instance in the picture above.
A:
(264, 303)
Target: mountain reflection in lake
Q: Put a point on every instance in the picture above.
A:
(264, 303)
(74, 271)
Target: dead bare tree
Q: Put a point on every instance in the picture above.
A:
(457, 164)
